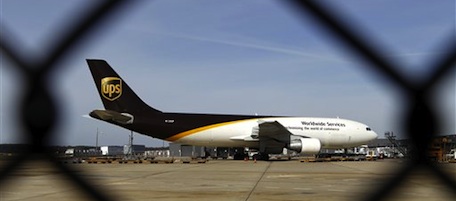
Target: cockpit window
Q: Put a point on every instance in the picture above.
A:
(368, 129)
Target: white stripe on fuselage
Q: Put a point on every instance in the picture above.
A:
(332, 133)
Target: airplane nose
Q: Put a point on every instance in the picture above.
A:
(373, 135)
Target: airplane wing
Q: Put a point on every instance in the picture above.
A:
(273, 136)
(274, 130)
(267, 130)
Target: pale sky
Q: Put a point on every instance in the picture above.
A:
(229, 57)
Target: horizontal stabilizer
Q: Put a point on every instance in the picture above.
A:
(244, 138)
(112, 116)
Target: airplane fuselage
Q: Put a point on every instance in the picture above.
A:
(333, 133)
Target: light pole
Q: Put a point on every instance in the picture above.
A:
(96, 141)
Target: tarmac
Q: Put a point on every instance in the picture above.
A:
(225, 180)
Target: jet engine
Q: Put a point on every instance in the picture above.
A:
(305, 145)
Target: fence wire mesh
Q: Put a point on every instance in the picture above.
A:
(39, 114)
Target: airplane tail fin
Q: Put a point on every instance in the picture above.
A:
(117, 97)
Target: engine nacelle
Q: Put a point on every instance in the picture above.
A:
(305, 145)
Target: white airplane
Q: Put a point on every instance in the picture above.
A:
(267, 134)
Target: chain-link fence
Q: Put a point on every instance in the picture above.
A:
(39, 115)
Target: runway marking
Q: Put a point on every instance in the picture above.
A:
(337, 190)
(122, 183)
(285, 176)
(302, 189)
(11, 193)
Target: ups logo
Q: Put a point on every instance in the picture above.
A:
(111, 88)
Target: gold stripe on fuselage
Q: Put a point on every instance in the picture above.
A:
(196, 130)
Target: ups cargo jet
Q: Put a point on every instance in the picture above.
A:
(267, 134)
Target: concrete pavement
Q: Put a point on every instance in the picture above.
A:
(224, 180)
